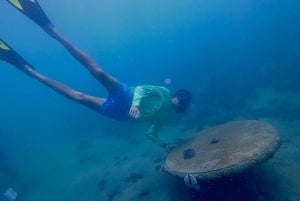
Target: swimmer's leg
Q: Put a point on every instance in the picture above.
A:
(34, 11)
(9, 55)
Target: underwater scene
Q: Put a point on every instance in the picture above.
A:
(83, 81)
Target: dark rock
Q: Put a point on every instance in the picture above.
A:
(188, 153)
(134, 177)
(112, 194)
(101, 184)
(144, 192)
(157, 167)
(214, 141)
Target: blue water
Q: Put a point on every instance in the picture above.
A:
(240, 60)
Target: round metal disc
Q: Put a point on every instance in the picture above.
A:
(224, 149)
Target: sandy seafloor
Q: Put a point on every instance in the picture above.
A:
(107, 165)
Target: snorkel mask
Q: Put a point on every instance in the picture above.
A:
(184, 99)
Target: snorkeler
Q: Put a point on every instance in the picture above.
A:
(152, 104)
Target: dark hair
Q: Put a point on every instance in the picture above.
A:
(184, 99)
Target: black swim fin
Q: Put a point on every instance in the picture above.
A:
(10, 56)
(33, 10)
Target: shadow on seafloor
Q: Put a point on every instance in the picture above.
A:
(257, 184)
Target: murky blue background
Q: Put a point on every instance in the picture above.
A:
(240, 60)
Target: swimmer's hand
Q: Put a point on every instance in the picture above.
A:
(134, 112)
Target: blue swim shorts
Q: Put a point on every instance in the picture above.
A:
(118, 103)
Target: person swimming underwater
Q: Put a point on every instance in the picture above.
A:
(153, 104)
